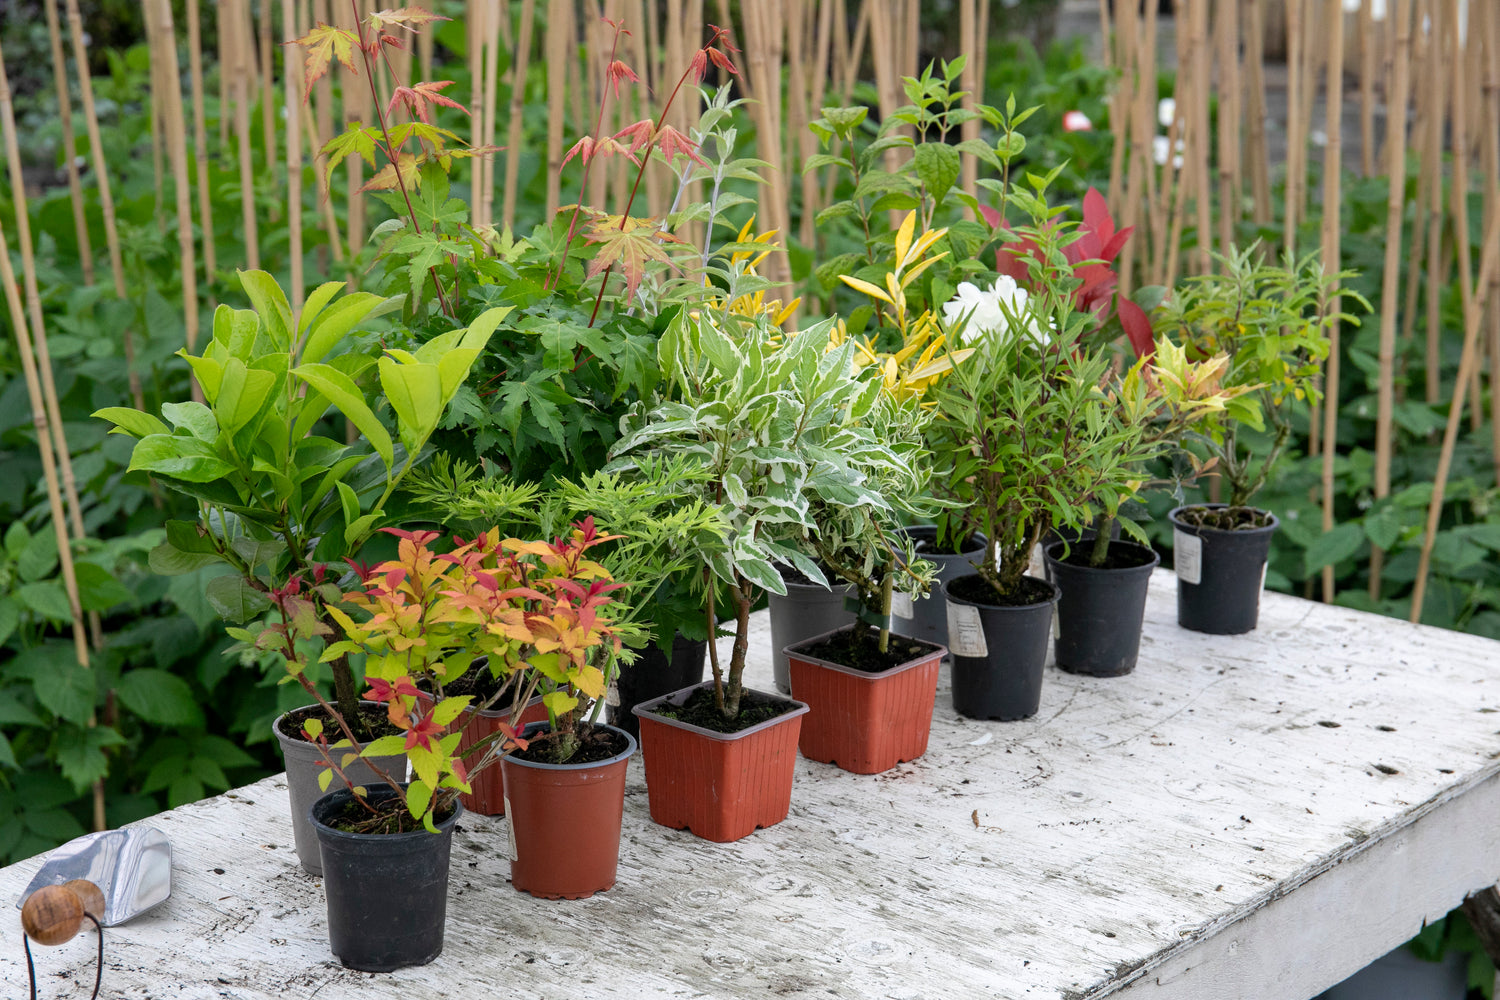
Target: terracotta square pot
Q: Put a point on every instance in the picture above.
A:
(720, 786)
(864, 722)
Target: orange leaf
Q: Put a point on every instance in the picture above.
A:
(404, 17)
(324, 45)
(385, 180)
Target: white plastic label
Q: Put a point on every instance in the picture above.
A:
(510, 829)
(1056, 625)
(901, 606)
(1187, 555)
(612, 693)
(1263, 567)
(965, 632)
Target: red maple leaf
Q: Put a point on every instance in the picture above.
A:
(630, 243)
(619, 73)
(421, 97)
(671, 142)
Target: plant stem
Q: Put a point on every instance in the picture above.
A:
(1103, 527)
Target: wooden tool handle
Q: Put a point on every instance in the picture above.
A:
(53, 913)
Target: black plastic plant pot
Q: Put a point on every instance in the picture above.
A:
(805, 611)
(653, 674)
(387, 893)
(1100, 611)
(928, 620)
(999, 652)
(1220, 573)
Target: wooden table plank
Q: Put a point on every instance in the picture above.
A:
(1251, 816)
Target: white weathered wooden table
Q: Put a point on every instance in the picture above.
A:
(1253, 816)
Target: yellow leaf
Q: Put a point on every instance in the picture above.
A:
(903, 236)
(860, 285)
(590, 680)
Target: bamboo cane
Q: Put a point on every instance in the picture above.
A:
(158, 86)
(801, 143)
(1198, 145)
(1260, 172)
(1226, 38)
(1490, 130)
(159, 14)
(1432, 161)
(241, 74)
(474, 15)
(356, 108)
(494, 18)
(1467, 361)
(200, 142)
(106, 198)
(1145, 62)
(1332, 204)
(1395, 207)
(1128, 145)
(645, 66)
(968, 26)
(1296, 129)
(292, 68)
(556, 45)
(44, 434)
(70, 148)
(763, 48)
(34, 302)
(268, 95)
(1366, 89)
(1459, 197)
(521, 64)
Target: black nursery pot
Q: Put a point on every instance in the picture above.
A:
(387, 893)
(999, 653)
(804, 611)
(653, 674)
(929, 617)
(1100, 612)
(1220, 574)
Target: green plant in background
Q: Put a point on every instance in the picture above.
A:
(277, 501)
(1267, 319)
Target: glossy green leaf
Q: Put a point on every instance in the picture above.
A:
(346, 396)
(234, 599)
(271, 306)
(184, 458)
(416, 394)
(128, 420)
(193, 417)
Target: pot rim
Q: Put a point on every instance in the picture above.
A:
(297, 740)
(1195, 529)
(1056, 595)
(1142, 568)
(937, 652)
(646, 708)
(324, 830)
(510, 760)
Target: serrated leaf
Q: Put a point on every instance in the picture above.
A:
(98, 590)
(46, 598)
(1332, 547)
(80, 753)
(67, 690)
(39, 557)
(937, 165)
(325, 45)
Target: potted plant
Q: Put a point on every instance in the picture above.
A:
(284, 520)
(531, 612)
(719, 756)
(1027, 434)
(1268, 320)
(870, 693)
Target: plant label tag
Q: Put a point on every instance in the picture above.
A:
(965, 632)
(1056, 625)
(1263, 567)
(1187, 555)
(510, 829)
(901, 606)
(612, 693)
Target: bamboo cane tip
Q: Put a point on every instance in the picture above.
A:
(52, 915)
(89, 894)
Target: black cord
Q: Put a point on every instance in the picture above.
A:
(30, 968)
(98, 965)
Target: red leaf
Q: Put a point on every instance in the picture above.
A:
(618, 74)
(421, 97)
(671, 142)
(1096, 215)
(1115, 244)
(1137, 327)
(640, 133)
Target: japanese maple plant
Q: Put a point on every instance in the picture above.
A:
(531, 613)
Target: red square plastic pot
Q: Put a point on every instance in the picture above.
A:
(864, 722)
(720, 786)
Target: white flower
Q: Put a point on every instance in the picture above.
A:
(991, 311)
